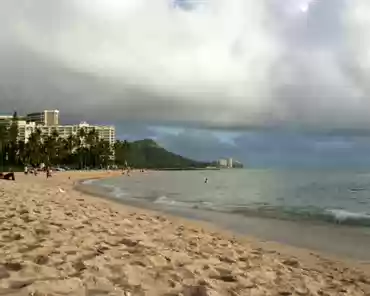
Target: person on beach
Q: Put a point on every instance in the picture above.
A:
(8, 176)
(48, 173)
(26, 170)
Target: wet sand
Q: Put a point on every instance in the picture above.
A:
(59, 241)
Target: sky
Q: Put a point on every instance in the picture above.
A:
(271, 82)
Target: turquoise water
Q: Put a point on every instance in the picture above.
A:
(327, 211)
(341, 197)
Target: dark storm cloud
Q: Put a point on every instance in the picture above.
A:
(273, 149)
(197, 144)
(232, 64)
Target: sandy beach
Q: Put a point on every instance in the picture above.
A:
(56, 240)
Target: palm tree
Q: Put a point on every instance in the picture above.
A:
(67, 148)
(92, 140)
(34, 151)
(104, 153)
(4, 137)
(21, 153)
(63, 151)
(81, 135)
(70, 144)
(51, 148)
(80, 141)
(13, 138)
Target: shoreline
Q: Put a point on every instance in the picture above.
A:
(307, 254)
(327, 239)
(65, 241)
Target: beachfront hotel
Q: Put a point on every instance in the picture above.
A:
(44, 118)
(105, 132)
(225, 163)
(25, 129)
(47, 122)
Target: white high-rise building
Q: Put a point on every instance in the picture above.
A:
(226, 162)
(229, 162)
(105, 132)
(46, 117)
(222, 162)
(25, 130)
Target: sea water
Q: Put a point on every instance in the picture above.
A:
(327, 210)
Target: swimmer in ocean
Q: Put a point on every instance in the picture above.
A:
(206, 180)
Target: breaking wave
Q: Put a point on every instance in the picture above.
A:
(335, 216)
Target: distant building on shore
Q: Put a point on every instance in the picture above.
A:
(228, 163)
(222, 163)
(47, 122)
(237, 165)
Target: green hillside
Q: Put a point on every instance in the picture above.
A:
(148, 154)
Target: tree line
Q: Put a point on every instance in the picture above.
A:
(82, 150)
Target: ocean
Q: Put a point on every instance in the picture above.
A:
(325, 210)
